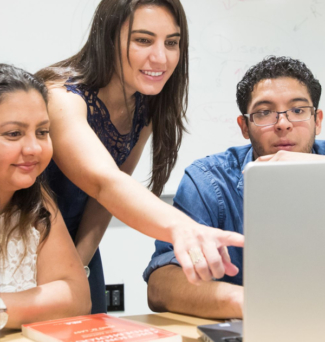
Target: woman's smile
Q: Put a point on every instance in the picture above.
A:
(27, 166)
(153, 75)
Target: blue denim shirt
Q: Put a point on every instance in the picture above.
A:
(211, 193)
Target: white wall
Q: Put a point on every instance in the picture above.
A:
(126, 253)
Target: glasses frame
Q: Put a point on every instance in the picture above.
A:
(251, 116)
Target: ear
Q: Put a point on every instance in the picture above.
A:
(243, 126)
(319, 120)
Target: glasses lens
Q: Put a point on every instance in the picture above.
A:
(300, 113)
(265, 118)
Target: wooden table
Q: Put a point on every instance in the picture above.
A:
(180, 324)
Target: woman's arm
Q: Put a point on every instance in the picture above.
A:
(96, 218)
(85, 161)
(62, 288)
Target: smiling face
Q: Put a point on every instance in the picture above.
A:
(25, 144)
(280, 94)
(153, 52)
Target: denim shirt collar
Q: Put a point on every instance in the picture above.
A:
(248, 159)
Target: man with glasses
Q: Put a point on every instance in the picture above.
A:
(278, 99)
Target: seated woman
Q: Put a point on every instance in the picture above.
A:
(41, 275)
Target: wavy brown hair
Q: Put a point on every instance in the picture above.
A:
(28, 207)
(95, 64)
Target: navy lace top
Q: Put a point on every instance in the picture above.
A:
(72, 200)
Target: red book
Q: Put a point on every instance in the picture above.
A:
(96, 328)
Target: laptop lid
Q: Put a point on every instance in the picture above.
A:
(284, 254)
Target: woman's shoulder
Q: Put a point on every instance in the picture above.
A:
(63, 102)
(80, 89)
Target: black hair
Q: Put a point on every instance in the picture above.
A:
(273, 67)
(13, 79)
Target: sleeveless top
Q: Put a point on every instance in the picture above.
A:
(17, 274)
(72, 200)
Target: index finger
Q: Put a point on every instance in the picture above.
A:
(230, 239)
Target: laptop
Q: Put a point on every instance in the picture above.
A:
(284, 256)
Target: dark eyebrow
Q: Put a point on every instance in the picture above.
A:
(18, 123)
(176, 34)
(297, 99)
(24, 125)
(302, 99)
(262, 102)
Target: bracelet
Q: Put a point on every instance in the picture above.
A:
(3, 314)
(87, 269)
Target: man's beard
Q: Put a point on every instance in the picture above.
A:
(258, 150)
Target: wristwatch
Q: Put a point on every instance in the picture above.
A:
(3, 314)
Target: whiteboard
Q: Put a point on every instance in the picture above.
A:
(226, 38)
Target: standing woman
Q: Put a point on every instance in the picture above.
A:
(128, 81)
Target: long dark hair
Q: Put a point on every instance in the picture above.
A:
(95, 64)
(28, 207)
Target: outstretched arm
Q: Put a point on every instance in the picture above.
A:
(85, 161)
(96, 218)
(62, 288)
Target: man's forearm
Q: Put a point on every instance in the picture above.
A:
(169, 290)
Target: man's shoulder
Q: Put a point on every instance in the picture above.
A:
(233, 157)
(319, 147)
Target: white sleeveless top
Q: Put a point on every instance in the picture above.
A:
(17, 275)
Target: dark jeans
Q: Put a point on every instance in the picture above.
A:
(97, 284)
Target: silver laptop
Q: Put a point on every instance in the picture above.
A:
(284, 255)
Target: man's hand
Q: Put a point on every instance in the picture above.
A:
(290, 156)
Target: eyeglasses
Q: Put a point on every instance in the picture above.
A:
(271, 117)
